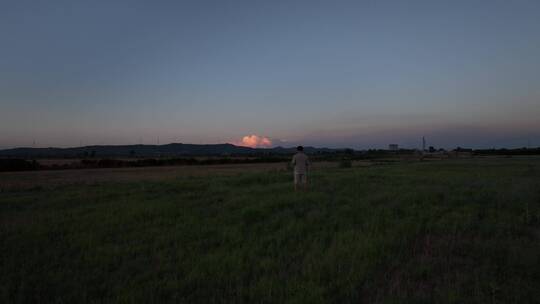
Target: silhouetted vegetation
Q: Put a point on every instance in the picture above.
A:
(520, 151)
(148, 162)
(90, 159)
(11, 164)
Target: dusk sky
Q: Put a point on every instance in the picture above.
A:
(360, 74)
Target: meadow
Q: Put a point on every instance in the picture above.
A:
(450, 231)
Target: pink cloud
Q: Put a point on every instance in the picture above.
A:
(255, 141)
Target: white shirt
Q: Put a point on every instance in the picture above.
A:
(300, 162)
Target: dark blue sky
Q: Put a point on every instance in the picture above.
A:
(327, 73)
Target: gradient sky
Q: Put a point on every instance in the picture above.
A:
(355, 74)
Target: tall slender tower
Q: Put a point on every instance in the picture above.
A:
(423, 143)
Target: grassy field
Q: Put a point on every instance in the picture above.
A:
(456, 231)
(24, 180)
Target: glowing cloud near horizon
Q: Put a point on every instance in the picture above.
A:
(255, 141)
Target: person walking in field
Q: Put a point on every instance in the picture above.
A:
(301, 164)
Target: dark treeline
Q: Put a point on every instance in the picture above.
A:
(12, 164)
(520, 151)
(148, 162)
(174, 150)
(19, 164)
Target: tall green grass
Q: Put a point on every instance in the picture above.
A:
(446, 232)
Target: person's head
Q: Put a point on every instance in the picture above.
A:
(299, 148)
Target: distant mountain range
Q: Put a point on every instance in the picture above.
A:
(173, 149)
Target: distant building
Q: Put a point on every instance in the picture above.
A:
(393, 147)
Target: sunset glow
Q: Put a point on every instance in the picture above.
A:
(255, 141)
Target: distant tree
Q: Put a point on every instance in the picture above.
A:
(93, 154)
(132, 153)
(432, 149)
